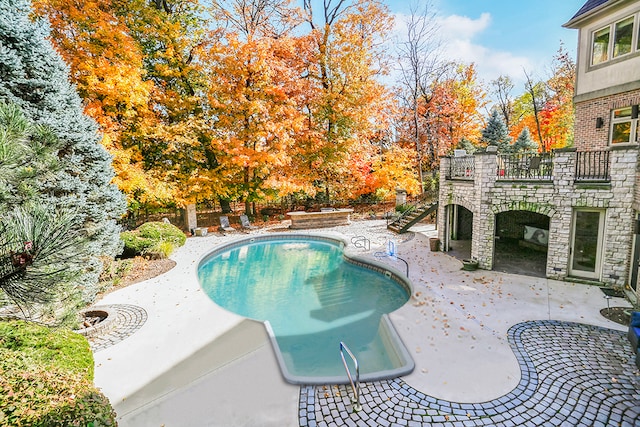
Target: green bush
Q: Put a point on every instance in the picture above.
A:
(152, 239)
(162, 231)
(46, 379)
(134, 244)
(403, 208)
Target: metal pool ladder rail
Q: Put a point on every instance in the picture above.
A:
(354, 385)
(361, 242)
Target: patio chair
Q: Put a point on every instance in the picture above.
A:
(224, 224)
(533, 168)
(244, 220)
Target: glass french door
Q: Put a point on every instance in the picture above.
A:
(586, 244)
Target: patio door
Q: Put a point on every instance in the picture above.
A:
(586, 244)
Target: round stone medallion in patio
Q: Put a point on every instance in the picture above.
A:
(119, 321)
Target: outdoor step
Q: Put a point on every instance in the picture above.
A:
(402, 224)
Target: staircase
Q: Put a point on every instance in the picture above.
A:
(414, 214)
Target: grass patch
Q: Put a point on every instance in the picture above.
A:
(46, 379)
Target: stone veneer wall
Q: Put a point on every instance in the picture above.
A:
(485, 197)
(586, 136)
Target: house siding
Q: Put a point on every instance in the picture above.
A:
(616, 71)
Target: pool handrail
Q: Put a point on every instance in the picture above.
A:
(361, 242)
(391, 253)
(354, 386)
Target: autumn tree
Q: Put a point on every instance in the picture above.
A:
(501, 89)
(419, 62)
(455, 107)
(107, 68)
(345, 104)
(253, 94)
(36, 79)
(559, 112)
(448, 111)
(547, 105)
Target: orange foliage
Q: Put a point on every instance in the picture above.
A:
(107, 68)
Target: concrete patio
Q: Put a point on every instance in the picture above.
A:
(192, 363)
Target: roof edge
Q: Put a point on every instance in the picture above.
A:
(580, 17)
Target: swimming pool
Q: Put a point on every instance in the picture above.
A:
(311, 296)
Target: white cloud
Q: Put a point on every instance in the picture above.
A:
(463, 27)
(459, 35)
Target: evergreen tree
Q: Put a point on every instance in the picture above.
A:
(467, 145)
(41, 253)
(496, 133)
(34, 77)
(524, 143)
(28, 154)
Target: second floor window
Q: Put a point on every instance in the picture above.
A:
(615, 40)
(624, 128)
(600, 46)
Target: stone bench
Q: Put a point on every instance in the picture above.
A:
(325, 218)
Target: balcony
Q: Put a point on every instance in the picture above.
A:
(462, 168)
(593, 166)
(575, 167)
(525, 167)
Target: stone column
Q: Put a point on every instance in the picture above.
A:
(564, 166)
(486, 170)
(192, 218)
(445, 187)
(401, 196)
(620, 219)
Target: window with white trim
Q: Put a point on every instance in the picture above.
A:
(623, 35)
(624, 127)
(615, 40)
(600, 46)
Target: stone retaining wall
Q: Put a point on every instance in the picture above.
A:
(333, 218)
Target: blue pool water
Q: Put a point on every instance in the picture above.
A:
(312, 299)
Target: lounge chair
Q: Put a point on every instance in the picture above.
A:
(244, 220)
(224, 224)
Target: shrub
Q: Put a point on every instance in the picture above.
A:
(403, 208)
(152, 239)
(134, 244)
(162, 231)
(160, 250)
(46, 379)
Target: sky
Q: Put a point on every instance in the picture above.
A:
(503, 36)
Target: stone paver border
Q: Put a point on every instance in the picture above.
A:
(571, 375)
(129, 318)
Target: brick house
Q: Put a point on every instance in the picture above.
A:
(579, 206)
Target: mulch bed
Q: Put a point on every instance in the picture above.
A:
(620, 315)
